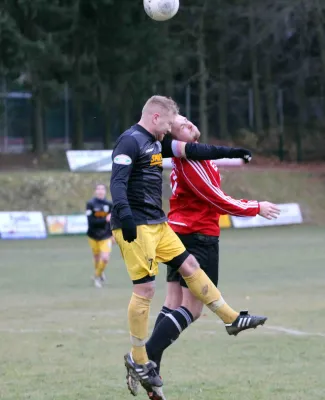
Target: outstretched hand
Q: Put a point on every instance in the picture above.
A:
(239, 152)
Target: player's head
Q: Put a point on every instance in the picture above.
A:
(184, 130)
(158, 115)
(100, 191)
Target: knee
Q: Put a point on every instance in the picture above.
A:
(149, 292)
(104, 257)
(189, 266)
(146, 290)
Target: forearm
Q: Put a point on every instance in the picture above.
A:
(198, 151)
(120, 199)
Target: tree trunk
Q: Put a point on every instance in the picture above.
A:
(254, 72)
(78, 134)
(223, 92)
(203, 77)
(38, 124)
(107, 134)
(301, 120)
(270, 96)
(321, 39)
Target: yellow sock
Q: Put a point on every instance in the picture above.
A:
(203, 289)
(96, 263)
(138, 316)
(101, 265)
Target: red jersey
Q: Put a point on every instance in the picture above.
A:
(198, 201)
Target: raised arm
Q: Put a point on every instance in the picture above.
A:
(199, 151)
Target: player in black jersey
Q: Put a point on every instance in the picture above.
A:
(98, 211)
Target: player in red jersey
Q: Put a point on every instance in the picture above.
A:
(195, 207)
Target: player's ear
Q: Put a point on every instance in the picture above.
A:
(155, 118)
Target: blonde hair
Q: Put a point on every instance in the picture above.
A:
(162, 102)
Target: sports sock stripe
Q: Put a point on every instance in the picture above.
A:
(175, 322)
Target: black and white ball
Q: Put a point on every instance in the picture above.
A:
(161, 10)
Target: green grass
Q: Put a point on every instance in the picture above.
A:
(62, 339)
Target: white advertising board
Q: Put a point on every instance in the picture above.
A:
(290, 214)
(101, 161)
(22, 225)
(76, 224)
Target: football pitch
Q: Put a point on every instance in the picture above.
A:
(62, 339)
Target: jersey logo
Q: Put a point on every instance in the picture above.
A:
(149, 150)
(106, 208)
(122, 159)
(100, 214)
(156, 159)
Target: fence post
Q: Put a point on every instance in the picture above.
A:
(281, 124)
(66, 117)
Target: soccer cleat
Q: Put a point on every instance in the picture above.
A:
(98, 283)
(103, 277)
(146, 375)
(244, 321)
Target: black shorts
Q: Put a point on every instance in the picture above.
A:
(206, 250)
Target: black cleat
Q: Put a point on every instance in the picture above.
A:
(245, 321)
(146, 375)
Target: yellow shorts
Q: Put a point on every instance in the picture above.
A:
(100, 246)
(154, 244)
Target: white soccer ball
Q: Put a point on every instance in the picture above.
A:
(161, 10)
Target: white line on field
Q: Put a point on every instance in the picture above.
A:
(71, 331)
(281, 329)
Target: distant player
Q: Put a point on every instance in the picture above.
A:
(98, 211)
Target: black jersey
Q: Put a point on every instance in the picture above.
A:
(137, 173)
(136, 181)
(97, 211)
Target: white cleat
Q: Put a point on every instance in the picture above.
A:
(103, 277)
(98, 283)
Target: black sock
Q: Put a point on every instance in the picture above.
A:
(163, 312)
(167, 332)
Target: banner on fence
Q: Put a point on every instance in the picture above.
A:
(290, 214)
(22, 225)
(67, 224)
(101, 161)
(56, 224)
(224, 221)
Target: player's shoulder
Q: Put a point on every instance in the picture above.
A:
(91, 202)
(108, 202)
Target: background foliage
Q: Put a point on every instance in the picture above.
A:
(245, 71)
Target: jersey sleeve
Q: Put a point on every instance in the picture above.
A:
(202, 182)
(193, 151)
(92, 220)
(166, 147)
(124, 157)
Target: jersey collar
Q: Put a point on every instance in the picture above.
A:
(142, 130)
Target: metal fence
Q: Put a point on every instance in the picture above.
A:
(16, 115)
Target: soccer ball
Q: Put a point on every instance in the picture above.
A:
(161, 10)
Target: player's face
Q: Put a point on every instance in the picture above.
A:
(100, 192)
(163, 123)
(184, 130)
